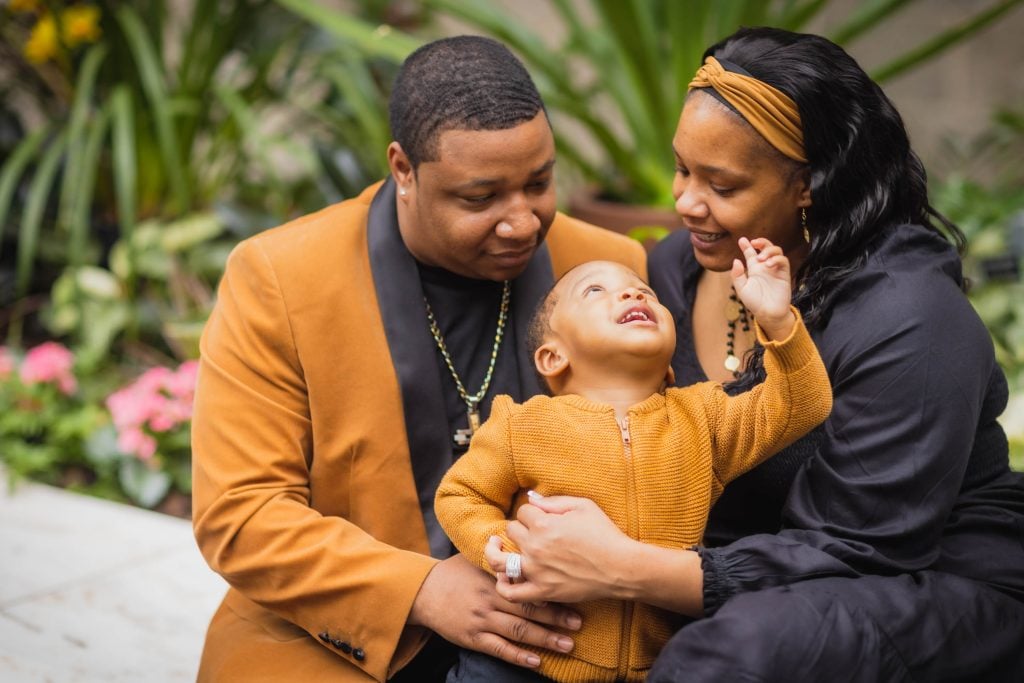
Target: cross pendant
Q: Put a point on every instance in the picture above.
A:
(462, 436)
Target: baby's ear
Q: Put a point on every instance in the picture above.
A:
(550, 361)
(670, 377)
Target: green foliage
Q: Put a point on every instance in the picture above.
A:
(621, 70)
(175, 113)
(158, 285)
(44, 424)
(63, 426)
(991, 214)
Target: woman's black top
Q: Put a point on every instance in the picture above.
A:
(911, 469)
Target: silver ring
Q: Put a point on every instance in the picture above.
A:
(514, 567)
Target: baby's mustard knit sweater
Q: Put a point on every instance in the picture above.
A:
(655, 475)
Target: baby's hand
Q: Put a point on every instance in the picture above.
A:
(764, 286)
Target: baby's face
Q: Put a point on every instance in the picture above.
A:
(604, 310)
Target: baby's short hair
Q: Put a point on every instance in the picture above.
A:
(539, 328)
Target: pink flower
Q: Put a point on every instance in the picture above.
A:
(7, 362)
(136, 442)
(49, 362)
(159, 401)
(183, 384)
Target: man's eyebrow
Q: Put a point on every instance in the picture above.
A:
(488, 182)
(544, 168)
(475, 183)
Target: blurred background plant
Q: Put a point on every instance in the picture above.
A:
(139, 142)
(151, 422)
(982, 191)
(147, 138)
(46, 420)
(62, 426)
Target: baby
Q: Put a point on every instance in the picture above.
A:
(654, 459)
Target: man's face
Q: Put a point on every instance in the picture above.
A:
(606, 315)
(483, 208)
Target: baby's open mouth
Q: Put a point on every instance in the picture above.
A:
(637, 314)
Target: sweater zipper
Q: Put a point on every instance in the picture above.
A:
(622, 672)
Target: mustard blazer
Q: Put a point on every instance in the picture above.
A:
(304, 494)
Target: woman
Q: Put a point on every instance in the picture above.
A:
(889, 544)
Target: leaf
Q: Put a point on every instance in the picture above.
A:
(35, 207)
(190, 231)
(123, 149)
(12, 169)
(97, 283)
(75, 166)
(382, 41)
(101, 446)
(150, 73)
(943, 41)
(81, 209)
(868, 15)
(144, 485)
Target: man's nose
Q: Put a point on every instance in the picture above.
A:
(520, 223)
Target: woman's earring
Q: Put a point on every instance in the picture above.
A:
(803, 224)
(402, 191)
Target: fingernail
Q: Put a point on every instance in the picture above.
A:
(564, 644)
(533, 660)
(533, 495)
(573, 622)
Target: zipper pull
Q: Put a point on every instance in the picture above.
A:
(624, 428)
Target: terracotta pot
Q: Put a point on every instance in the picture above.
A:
(646, 223)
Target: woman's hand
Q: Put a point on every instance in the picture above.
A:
(570, 552)
(765, 286)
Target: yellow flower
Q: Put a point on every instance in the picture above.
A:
(81, 24)
(42, 45)
(24, 5)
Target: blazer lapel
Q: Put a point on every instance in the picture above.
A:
(400, 295)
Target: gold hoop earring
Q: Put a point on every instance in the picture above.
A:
(803, 224)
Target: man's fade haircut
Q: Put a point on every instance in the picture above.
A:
(458, 83)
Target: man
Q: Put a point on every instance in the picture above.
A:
(351, 354)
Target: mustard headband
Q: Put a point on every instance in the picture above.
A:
(770, 111)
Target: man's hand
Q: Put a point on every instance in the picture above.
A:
(459, 602)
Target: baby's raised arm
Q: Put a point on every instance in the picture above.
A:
(764, 286)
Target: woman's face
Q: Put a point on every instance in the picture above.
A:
(730, 183)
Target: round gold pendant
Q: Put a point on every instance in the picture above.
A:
(732, 363)
(732, 310)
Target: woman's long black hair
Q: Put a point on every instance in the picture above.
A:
(865, 179)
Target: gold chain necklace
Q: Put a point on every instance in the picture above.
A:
(735, 312)
(462, 436)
